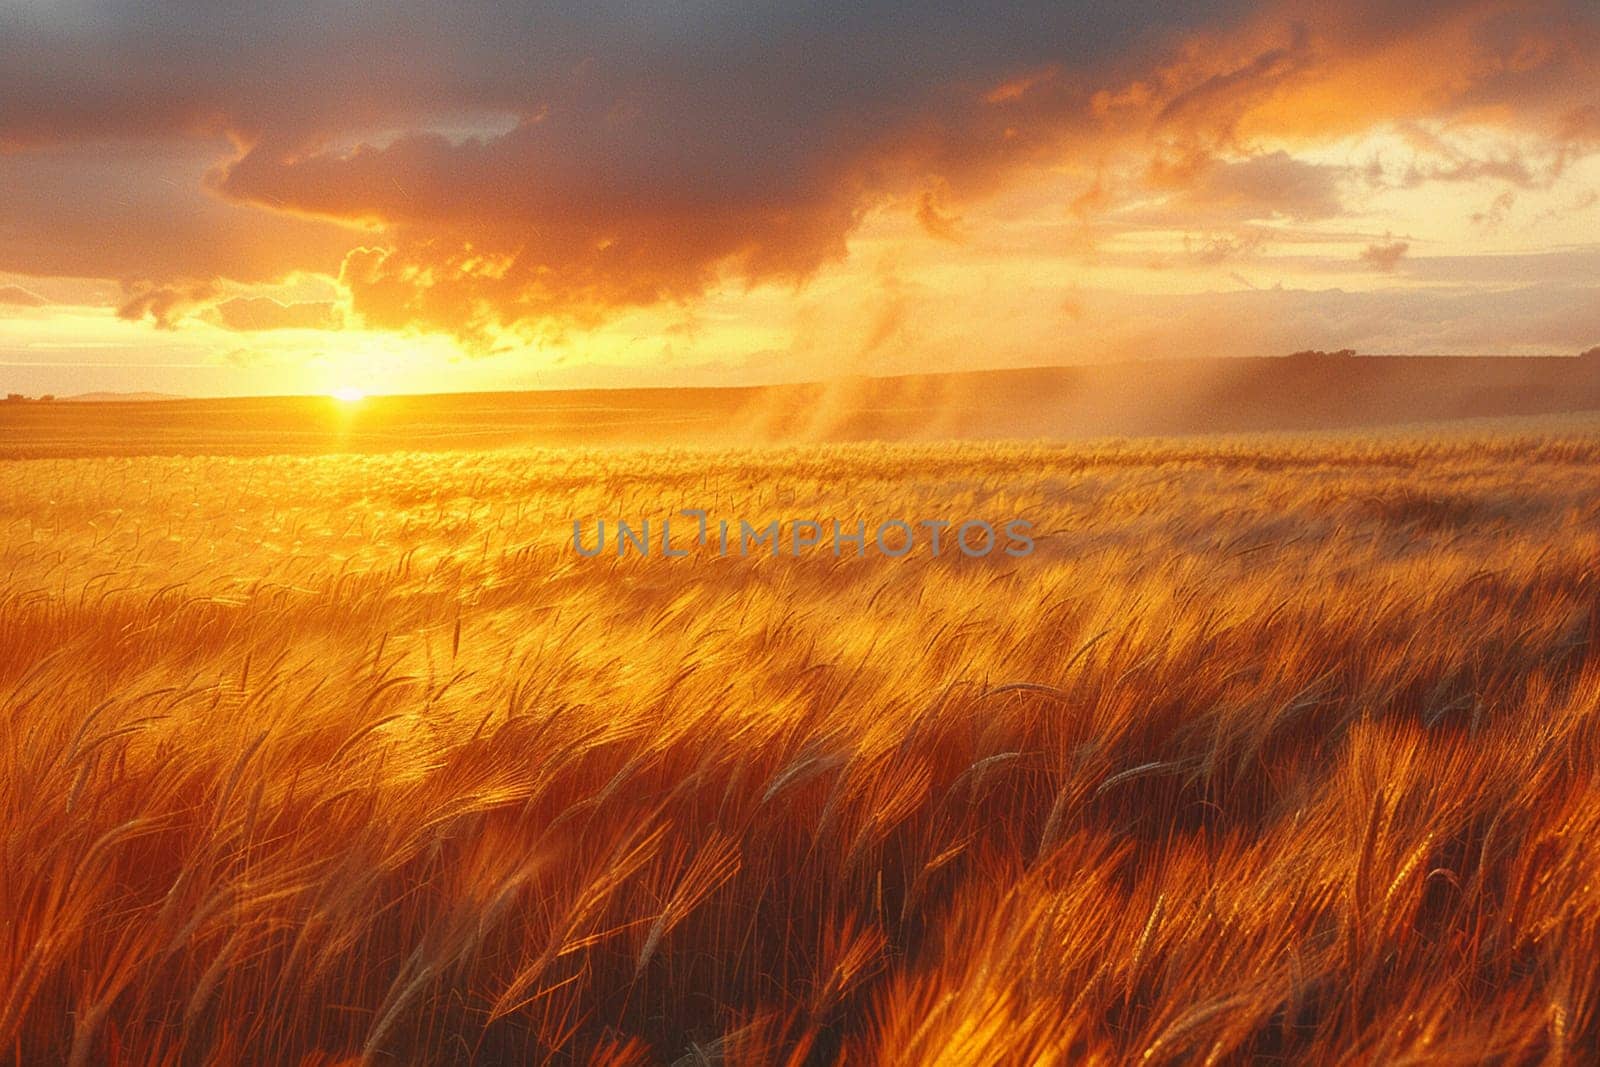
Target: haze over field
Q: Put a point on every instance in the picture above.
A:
(1308, 391)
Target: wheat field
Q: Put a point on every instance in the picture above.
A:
(1275, 748)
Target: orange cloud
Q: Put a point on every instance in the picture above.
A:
(250, 314)
(1016, 88)
(164, 305)
(1385, 257)
(935, 218)
(1259, 187)
(649, 158)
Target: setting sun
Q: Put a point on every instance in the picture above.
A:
(348, 395)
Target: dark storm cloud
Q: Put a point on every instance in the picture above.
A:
(651, 146)
(288, 72)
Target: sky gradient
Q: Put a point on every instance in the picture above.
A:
(210, 199)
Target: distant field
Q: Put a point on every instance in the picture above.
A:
(1283, 747)
(1150, 398)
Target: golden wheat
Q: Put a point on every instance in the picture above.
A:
(1277, 748)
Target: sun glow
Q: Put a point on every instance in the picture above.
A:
(348, 395)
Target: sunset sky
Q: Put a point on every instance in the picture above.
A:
(208, 198)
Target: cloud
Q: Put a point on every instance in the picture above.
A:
(1273, 185)
(935, 218)
(1212, 109)
(248, 314)
(1496, 212)
(519, 228)
(164, 305)
(1523, 64)
(487, 166)
(1582, 124)
(1216, 248)
(1510, 169)
(1523, 270)
(1386, 256)
(138, 213)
